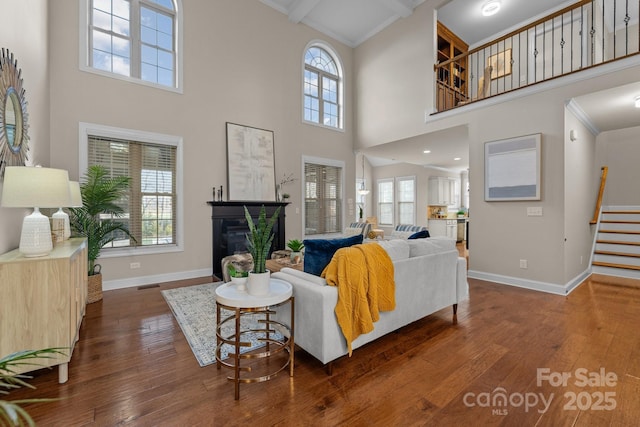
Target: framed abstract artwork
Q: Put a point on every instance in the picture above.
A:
(512, 169)
(500, 63)
(250, 164)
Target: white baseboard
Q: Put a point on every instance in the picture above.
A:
(551, 288)
(157, 278)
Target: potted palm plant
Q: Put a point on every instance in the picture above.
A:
(100, 195)
(259, 241)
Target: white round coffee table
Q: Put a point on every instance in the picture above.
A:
(241, 303)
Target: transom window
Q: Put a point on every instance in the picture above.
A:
(322, 88)
(135, 39)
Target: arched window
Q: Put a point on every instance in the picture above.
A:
(322, 87)
(135, 39)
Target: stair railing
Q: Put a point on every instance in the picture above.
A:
(603, 181)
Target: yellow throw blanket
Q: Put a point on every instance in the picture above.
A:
(364, 277)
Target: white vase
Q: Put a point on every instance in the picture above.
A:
(295, 257)
(258, 283)
(240, 282)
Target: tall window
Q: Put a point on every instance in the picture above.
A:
(322, 196)
(385, 202)
(322, 88)
(406, 192)
(152, 205)
(134, 38)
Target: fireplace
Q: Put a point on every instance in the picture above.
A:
(229, 228)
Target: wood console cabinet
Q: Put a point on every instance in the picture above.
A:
(42, 302)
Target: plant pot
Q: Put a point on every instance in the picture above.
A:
(295, 257)
(240, 282)
(94, 287)
(258, 283)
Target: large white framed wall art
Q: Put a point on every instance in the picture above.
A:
(250, 164)
(512, 168)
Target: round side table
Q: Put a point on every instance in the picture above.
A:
(242, 304)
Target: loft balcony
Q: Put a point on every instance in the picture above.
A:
(587, 34)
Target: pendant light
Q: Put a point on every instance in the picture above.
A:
(363, 191)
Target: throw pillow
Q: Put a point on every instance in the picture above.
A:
(318, 252)
(420, 235)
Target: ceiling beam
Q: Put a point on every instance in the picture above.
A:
(400, 7)
(300, 8)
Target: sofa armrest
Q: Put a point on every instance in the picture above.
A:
(462, 286)
(315, 324)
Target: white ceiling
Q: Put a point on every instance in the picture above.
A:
(354, 21)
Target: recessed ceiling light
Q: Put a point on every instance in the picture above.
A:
(428, 151)
(490, 8)
(637, 101)
(457, 158)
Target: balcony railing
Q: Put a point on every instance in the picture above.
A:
(581, 36)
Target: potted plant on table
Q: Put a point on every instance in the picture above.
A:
(296, 247)
(259, 241)
(100, 195)
(238, 277)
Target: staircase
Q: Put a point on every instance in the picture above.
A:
(617, 248)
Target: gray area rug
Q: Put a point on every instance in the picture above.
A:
(194, 308)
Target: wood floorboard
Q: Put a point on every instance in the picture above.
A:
(132, 366)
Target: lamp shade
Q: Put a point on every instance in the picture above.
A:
(28, 187)
(76, 195)
(35, 187)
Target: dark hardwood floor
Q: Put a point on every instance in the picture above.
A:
(133, 366)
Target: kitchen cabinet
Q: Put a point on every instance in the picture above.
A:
(444, 191)
(43, 302)
(443, 228)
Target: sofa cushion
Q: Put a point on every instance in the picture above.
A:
(423, 234)
(403, 231)
(397, 249)
(420, 247)
(318, 252)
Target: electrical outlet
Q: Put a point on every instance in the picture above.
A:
(523, 263)
(134, 265)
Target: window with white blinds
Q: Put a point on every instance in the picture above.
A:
(385, 202)
(406, 196)
(152, 204)
(323, 198)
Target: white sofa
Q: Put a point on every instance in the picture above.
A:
(429, 276)
(403, 231)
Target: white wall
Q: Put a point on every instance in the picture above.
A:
(501, 233)
(581, 184)
(242, 64)
(24, 32)
(620, 151)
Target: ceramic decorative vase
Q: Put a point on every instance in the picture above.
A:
(258, 284)
(295, 257)
(240, 282)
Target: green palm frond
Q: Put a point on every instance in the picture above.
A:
(11, 413)
(100, 195)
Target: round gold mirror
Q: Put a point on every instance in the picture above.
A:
(13, 114)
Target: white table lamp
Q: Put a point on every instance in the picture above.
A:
(62, 216)
(35, 187)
